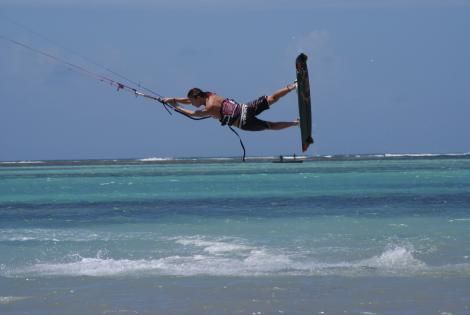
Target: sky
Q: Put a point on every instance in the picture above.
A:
(386, 76)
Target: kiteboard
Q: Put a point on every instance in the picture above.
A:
(303, 92)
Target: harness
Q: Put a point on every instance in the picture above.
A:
(229, 112)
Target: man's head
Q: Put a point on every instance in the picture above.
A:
(197, 97)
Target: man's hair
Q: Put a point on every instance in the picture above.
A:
(195, 92)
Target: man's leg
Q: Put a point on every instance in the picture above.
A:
(281, 92)
(283, 124)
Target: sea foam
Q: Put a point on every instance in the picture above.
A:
(11, 299)
(233, 257)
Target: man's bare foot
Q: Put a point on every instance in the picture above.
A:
(292, 86)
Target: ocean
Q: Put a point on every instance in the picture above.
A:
(359, 234)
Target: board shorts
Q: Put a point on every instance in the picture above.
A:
(248, 119)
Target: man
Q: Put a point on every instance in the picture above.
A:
(231, 113)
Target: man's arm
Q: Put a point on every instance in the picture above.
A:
(175, 100)
(197, 113)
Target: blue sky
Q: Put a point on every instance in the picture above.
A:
(386, 76)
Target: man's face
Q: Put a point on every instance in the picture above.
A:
(196, 101)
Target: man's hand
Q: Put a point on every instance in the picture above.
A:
(170, 100)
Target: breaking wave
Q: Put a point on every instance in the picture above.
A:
(232, 257)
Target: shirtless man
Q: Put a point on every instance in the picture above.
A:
(231, 113)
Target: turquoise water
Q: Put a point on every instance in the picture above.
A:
(367, 231)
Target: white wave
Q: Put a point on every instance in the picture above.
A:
(155, 159)
(460, 220)
(234, 257)
(398, 225)
(219, 260)
(27, 235)
(214, 246)
(395, 259)
(424, 154)
(410, 155)
(23, 162)
(220, 159)
(107, 183)
(11, 299)
(257, 263)
(78, 235)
